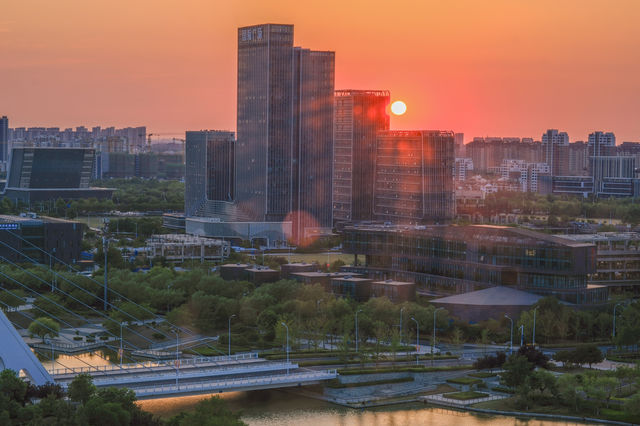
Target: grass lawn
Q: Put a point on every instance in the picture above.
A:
(465, 396)
(465, 381)
(482, 375)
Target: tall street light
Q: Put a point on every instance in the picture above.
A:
(358, 311)
(229, 337)
(287, 327)
(534, 326)
(417, 339)
(176, 332)
(511, 341)
(401, 309)
(433, 343)
(121, 352)
(614, 318)
(521, 335)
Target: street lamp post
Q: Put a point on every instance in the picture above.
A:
(534, 326)
(105, 248)
(287, 327)
(614, 318)
(433, 343)
(511, 340)
(417, 339)
(359, 310)
(121, 349)
(176, 332)
(521, 335)
(401, 309)
(229, 337)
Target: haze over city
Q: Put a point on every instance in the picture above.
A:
(502, 68)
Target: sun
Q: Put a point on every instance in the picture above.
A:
(398, 108)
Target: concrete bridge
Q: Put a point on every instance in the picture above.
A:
(158, 379)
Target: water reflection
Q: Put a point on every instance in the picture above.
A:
(97, 358)
(277, 408)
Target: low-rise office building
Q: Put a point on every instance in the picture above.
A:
(288, 269)
(182, 247)
(459, 259)
(356, 288)
(617, 259)
(30, 237)
(319, 277)
(396, 291)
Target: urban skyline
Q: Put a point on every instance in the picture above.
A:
(489, 63)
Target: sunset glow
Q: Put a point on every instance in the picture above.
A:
(398, 108)
(479, 67)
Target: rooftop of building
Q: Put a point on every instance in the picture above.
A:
(352, 278)
(235, 265)
(184, 239)
(394, 283)
(33, 218)
(258, 268)
(602, 236)
(493, 296)
(454, 231)
(315, 274)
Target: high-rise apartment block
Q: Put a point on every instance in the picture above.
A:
(602, 144)
(359, 115)
(414, 177)
(556, 151)
(285, 129)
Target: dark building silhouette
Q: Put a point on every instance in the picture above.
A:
(414, 177)
(285, 129)
(359, 115)
(4, 139)
(42, 174)
(210, 175)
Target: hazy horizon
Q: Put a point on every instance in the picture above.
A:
(493, 68)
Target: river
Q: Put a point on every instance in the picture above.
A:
(279, 408)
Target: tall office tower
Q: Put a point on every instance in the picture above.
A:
(459, 141)
(414, 176)
(359, 115)
(209, 174)
(4, 139)
(285, 129)
(601, 144)
(313, 141)
(556, 151)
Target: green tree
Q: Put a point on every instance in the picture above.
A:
(516, 371)
(209, 412)
(587, 354)
(43, 327)
(81, 388)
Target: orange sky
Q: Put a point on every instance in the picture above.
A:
(502, 68)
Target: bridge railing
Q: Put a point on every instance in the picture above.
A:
(182, 362)
(235, 383)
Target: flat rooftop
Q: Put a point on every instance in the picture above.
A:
(602, 236)
(493, 296)
(394, 283)
(454, 232)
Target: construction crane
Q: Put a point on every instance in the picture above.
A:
(159, 134)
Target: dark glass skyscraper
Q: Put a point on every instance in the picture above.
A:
(209, 174)
(414, 177)
(285, 129)
(359, 115)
